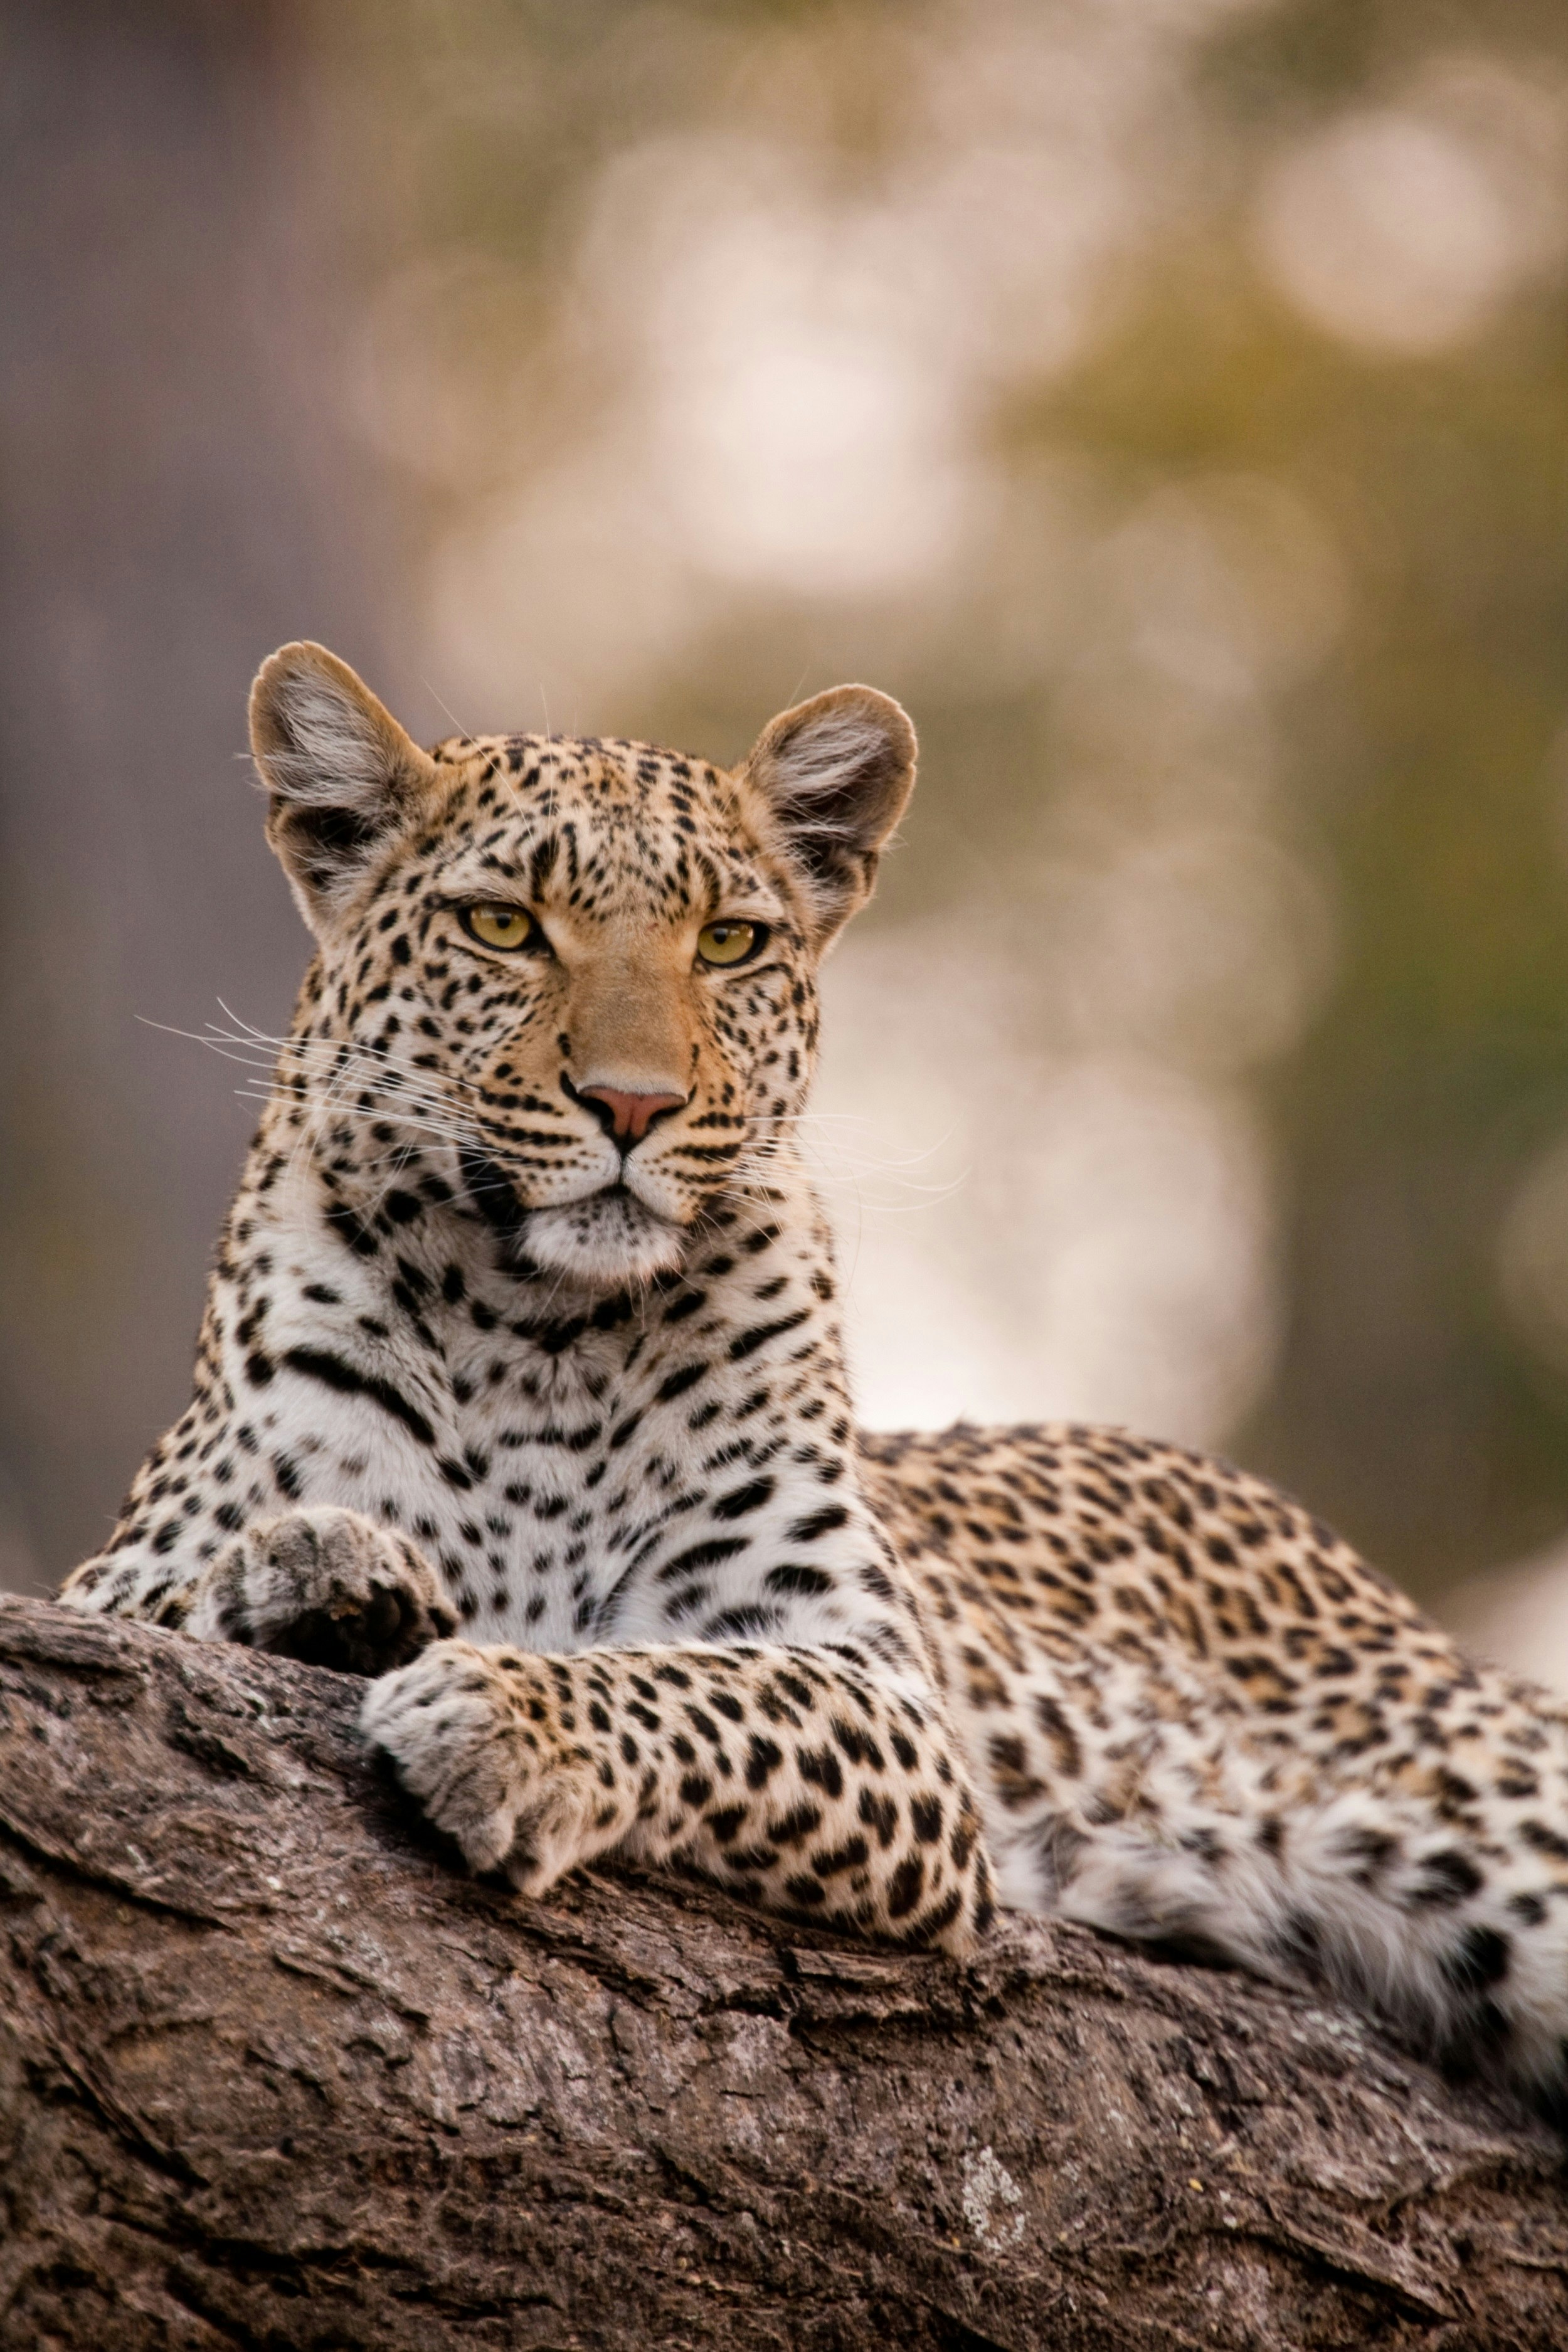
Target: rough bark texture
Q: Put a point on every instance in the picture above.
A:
(273, 2074)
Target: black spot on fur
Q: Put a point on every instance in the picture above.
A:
(1481, 1959)
(746, 1343)
(793, 1577)
(925, 1817)
(740, 1500)
(880, 1813)
(906, 1886)
(1447, 1878)
(820, 1522)
(348, 1228)
(336, 1372)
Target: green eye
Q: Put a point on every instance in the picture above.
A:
(728, 942)
(498, 925)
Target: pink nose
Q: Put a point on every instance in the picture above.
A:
(630, 1116)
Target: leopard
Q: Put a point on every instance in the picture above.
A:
(520, 1391)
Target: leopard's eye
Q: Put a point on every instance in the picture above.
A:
(495, 926)
(728, 942)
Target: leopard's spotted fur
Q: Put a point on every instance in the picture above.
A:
(465, 1364)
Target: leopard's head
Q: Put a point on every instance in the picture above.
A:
(572, 980)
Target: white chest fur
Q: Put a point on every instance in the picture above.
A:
(675, 1465)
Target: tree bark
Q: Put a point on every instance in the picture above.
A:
(274, 2074)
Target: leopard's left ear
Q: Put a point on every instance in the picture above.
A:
(341, 775)
(834, 775)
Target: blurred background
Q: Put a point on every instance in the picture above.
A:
(1166, 399)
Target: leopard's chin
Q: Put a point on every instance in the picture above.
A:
(604, 1243)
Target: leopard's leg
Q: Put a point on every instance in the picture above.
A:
(796, 1781)
(324, 1584)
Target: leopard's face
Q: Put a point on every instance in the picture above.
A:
(574, 980)
(575, 917)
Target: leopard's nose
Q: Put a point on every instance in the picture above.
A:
(628, 1117)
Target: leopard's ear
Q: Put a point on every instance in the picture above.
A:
(833, 775)
(341, 776)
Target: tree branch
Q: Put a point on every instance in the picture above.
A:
(273, 2073)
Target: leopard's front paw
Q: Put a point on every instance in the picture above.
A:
(326, 1586)
(474, 1737)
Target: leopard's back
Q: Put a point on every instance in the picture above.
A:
(1193, 1711)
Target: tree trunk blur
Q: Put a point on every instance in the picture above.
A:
(273, 2073)
(179, 494)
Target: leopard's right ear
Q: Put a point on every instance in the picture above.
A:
(341, 776)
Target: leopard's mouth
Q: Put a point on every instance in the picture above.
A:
(607, 1239)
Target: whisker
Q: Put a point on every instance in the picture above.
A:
(347, 1060)
(403, 1152)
